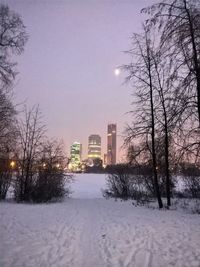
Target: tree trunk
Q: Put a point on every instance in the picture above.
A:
(153, 144)
(168, 191)
(198, 94)
(157, 190)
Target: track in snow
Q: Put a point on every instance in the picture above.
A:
(96, 232)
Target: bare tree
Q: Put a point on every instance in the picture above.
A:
(141, 72)
(12, 41)
(51, 181)
(171, 103)
(31, 133)
(41, 162)
(8, 134)
(178, 22)
(188, 144)
(7, 117)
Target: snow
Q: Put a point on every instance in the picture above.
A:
(88, 185)
(88, 230)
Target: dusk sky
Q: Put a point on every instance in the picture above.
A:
(69, 61)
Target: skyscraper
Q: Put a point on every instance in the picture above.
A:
(75, 156)
(94, 146)
(111, 144)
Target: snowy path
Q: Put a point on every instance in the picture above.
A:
(96, 232)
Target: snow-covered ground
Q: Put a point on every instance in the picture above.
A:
(89, 231)
(88, 185)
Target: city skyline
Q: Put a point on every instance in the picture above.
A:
(68, 66)
(94, 146)
(104, 143)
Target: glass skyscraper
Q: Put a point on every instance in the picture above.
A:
(94, 147)
(75, 156)
(111, 144)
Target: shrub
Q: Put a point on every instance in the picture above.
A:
(5, 177)
(50, 184)
(5, 181)
(189, 182)
(123, 183)
(192, 186)
(43, 179)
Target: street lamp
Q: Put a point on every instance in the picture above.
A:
(12, 164)
(58, 165)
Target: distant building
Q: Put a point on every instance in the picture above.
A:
(75, 156)
(111, 144)
(94, 147)
(105, 159)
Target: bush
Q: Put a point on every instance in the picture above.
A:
(5, 181)
(191, 186)
(50, 184)
(123, 183)
(5, 177)
(118, 186)
(43, 179)
(188, 204)
(46, 185)
(189, 182)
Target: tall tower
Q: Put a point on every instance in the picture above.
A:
(111, 143)
(94, 146)
(75, 155)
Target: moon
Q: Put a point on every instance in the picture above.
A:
(117, 72)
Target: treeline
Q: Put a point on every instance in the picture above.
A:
(31, 164)
(165, 74)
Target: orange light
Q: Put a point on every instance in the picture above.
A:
(12, 164)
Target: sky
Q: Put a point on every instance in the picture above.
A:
(68, 65)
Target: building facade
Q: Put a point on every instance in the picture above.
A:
(111, 144)
(75, 156)
(94, 147)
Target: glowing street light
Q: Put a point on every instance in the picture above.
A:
(58, 165)
(12, 164)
